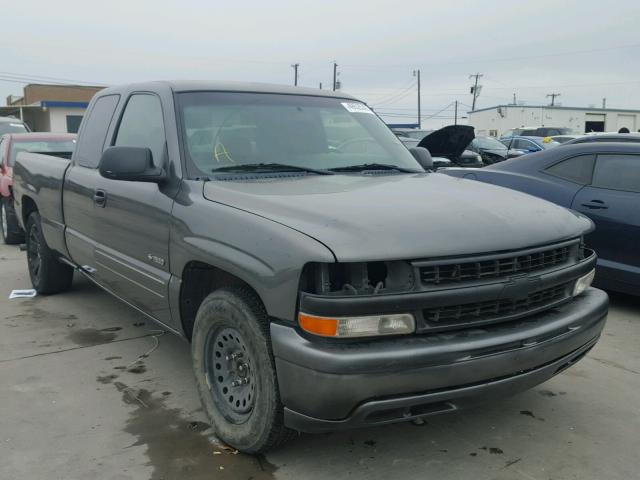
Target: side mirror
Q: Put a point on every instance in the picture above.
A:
(423, 157)
(134, 164)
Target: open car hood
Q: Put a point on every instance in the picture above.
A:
(449, 141)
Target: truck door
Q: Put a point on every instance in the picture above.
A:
(132, 218)
(611, 201)
(81, 180)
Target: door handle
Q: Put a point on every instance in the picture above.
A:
(595, 205)
(100, 198)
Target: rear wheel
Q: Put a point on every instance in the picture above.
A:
(48, 274)
(235, 371)
(9, 229)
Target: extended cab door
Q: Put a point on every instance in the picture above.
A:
(81, 181)
(132, 218)
(612, 201)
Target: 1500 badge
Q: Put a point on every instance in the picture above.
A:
(156, 259)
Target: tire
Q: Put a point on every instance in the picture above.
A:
(48, 274)
(10, 231)
(232, 330)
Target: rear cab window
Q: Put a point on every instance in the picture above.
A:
(94, 131)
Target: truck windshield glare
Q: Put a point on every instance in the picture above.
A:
(223, 130)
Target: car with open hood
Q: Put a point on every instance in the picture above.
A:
(448, 146)
(324, 276)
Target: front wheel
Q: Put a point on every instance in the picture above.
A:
(48, 274)
(235, 371)
(10, 230)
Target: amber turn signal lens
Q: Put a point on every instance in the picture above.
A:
(364, 326)
(327, 327)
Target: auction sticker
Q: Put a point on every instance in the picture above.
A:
(356, 107)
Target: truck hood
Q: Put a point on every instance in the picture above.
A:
(400, 216)
(449, 141)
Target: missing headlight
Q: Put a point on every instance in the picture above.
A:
(360, 278)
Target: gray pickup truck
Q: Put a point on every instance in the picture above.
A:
(324, 278)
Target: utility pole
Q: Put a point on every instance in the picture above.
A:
(455, 115)
(475, 90)
(295, 73)
(514, 98)
(604, 103)
(416, 73)
(335, 75)
(553, 98)
(320, 85)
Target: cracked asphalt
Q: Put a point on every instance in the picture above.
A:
(75, 404)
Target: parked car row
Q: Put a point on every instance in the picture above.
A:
(485, 150)
(325, 278)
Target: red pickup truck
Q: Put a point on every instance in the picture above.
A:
(60, 144)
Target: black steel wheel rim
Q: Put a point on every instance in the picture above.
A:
(34, 253)
(231, 374)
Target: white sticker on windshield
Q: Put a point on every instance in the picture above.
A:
(356, 107)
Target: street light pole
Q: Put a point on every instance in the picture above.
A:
(416, 73)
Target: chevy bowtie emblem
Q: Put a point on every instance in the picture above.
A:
(520, 287)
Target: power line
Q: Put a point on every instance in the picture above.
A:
(42, 78)
(499, 59)
(397, 96)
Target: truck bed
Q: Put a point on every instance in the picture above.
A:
(39, 178)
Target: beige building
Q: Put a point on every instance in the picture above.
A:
(50, 108)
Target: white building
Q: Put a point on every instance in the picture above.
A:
(50, 108)
(496, 120)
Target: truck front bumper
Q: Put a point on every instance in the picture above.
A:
(331, 385)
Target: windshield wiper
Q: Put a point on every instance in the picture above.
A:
(269, 167)
(374, 166)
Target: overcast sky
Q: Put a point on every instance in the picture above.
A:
(585, 50)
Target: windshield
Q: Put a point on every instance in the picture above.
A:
(39, 146)
(11, 127)
(488, 143)
(418, 134)
(226, 129)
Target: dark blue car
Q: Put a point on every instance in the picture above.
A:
(600, 180)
